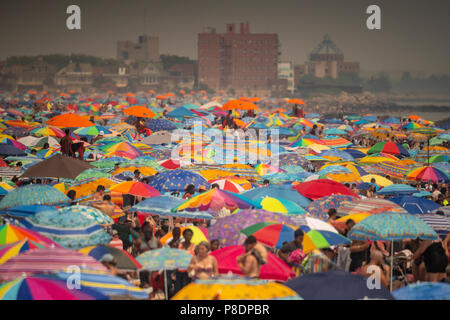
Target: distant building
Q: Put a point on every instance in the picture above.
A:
(146, 49)
(76, 76)
(327, 60)
(38, 75)
(286, 71)
(239, 60)
(299, 72)
(182, 75)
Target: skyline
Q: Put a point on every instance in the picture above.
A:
(413, 37)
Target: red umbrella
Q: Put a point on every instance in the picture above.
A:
(170, 164)
(274, 269)
(321, 188)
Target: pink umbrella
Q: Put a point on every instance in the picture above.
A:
(38, 261)
(274, 269)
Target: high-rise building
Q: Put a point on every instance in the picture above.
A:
(146, 49)
(243, 61)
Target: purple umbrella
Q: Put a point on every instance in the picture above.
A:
(228, 229)
(319, 208)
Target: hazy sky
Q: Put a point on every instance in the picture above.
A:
(415, 33)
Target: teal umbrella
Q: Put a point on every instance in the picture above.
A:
(33, 194)
(392, 227)
(89, 212)
(92, 173)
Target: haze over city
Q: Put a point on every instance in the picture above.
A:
(413, 37)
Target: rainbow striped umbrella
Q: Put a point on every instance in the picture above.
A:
(46, 260)
(428, 173)
(10, 250)
(216, 199)
(271, 234)
(319, 207)
(369, 205)
(46, 288)
(11, 234)
(336, 142)
(122, 149)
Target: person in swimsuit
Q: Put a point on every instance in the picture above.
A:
(434, 258)
(203, 265)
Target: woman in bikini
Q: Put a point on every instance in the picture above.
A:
(203, 265)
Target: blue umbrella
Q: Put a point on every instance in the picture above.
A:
(334, 169)
(356, 154)
(282, 192)
(160, 125)
(105, 283)
(177, 180)
(415, 205)
(392, 120)
(27, 211)
(337, 153)
(181, 112)
(334, 131)
(335, 285)
(397, 189)
(422, 194)
(423, 291)
(33, 194)
(9, 150)
(162, 205)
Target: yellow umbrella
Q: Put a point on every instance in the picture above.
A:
(377, 159)
(61, 187)
(357, 217)
(146, 171)
(235, 289)
(197, 236)
(379, 180)
(318, 147)
(345, 177)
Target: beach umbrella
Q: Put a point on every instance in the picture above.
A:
(277, 192)
(356, 154)
(160, 125)
(92, 174)
(397, 189)
(369, 205)
(91, 213)
(163, 205)
(439, 223)
(293, 159)
(46, 288)
(92, 131)
(392, 168)
(320, 239)
(379, 180)
(336, 285)
(135, 188)
(7, 251)
(47, 131)
(227, 288)
(423, 291)
(392, 227)
(122, 149)
(16, 131)
(321, 188)
(271, 234)
(319, 207)
(337, 153)
(415, 205)
(139, 111)
(10, 150)
(14, 143)
(11, 234)
(58, 166)
(46, 260)
(125, 261)
(216, 199)
(228, 185)
(164, 259)
(439, 158)
(395, 149)
(227, 229)
(69, 120)
(177, 180)
(427, 174)
(335, 169)
(160, 137)
(50, 140)
(33, 194)
(143, 169)
(274, 269)
(281, 206)
(71, 227)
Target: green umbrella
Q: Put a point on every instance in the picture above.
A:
(92, 173)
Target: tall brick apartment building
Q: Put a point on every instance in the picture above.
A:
(244, 61)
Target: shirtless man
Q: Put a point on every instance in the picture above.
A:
(248, 262)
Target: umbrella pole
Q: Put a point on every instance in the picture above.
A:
(165, 284)
(428, 152)
(392, 264)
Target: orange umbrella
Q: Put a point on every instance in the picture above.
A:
(182, 92)
(202, 91)
(414, 117)
(63, 94)
(32, 92)
(240, 123)
(237, 104)
(254, 99)
(244, 99)
(69, 120)
(139, 111)
(72, 91)
(169, 95)
(151, 91)
(129, 94)
(161, 97)
(296, 101)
